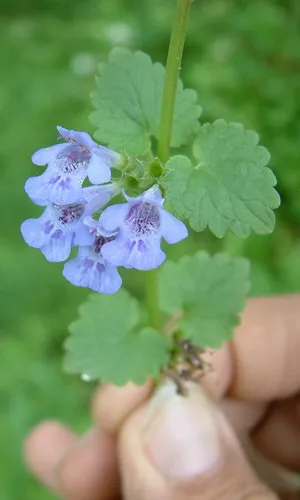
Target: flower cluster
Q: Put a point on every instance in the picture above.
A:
(127, 234)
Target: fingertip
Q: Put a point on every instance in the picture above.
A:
(176, 447)
(44, 447)
(265, 349)
(111, 405)
(220, 377)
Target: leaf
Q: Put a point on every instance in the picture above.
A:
(230, 187)
(209, 292)
(129, 101)
(108, 343)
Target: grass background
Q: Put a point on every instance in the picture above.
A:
(244, 60)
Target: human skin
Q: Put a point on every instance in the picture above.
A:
(170, 447)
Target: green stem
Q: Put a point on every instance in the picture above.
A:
(152, 299)
(171, 80)
(166, 121)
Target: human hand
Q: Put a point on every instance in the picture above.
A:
(175, 448)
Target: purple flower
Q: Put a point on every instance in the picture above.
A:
(68, 166)
(90, 269)
(60, 227)
(142, 222)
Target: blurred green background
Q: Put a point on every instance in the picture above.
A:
(244, 60)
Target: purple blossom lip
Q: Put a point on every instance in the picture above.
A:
(60, 227)
(143, 218)
(56, 231)
(90, 269)
(142, 223)
(68, 165)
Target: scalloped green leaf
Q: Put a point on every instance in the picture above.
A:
(109, 343)
(230, 187)
(209, 293)
(128, 104)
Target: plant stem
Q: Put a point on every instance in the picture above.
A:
(166, 121)
(171, 80)
(152, 299)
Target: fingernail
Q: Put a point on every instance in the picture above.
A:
(181, 434)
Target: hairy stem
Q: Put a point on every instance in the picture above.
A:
(171, 80)
(166, 121)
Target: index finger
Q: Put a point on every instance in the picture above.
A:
(264, 359)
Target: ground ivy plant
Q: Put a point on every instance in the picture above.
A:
(117, 202)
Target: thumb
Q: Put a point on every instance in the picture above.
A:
(182, 448)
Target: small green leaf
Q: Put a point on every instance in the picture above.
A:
(108, 343)
(229, 188)
(129, 101)
(208, 291)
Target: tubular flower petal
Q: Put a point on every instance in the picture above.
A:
(54, 231)
(90, 269)
(141, 223)
(68, 166)
(61, 227)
